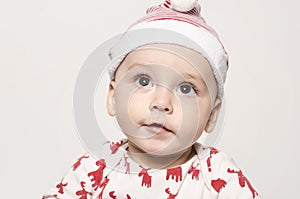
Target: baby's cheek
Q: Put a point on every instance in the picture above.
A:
(189, 108)
(137, 108)
(192, 116)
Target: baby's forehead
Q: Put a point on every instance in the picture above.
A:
(189, 63)
(188, 54)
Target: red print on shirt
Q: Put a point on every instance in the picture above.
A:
(195, 172)
(243, 180)
(126, 165)
(218, 184)
(60, 187)
(128, 196)
(111, 195)
(171, 196)
(146, 177)
(213, 151)
(97, 174)
(83, 193)
(174, 173)
(103, 185)
(77, 164)
(114, 146)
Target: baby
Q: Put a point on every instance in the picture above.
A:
(164, 94)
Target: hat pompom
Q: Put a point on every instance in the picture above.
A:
(183, 5)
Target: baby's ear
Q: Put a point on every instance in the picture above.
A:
(212, 120)
(110, 102)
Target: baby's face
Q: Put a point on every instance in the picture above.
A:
(161, 101)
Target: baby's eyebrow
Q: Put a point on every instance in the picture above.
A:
(195, 77)
(131, 66)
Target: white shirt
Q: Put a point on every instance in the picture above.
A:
(209, 174)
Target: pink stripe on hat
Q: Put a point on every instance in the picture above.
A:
(164, 12)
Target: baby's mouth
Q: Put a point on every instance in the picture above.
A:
(158, 128)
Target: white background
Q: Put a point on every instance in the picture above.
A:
(44, 43)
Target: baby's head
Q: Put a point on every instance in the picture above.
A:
(164, 95)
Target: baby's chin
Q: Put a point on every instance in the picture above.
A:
(167, 146)
(160, 156)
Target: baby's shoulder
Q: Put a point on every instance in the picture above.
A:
(82, 166)
(223, 175)
(103, 158)
(86, 162)
(216, 160)
(215, 164)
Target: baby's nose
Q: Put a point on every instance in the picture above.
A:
(162, 100)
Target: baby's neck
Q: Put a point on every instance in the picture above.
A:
(159, 161)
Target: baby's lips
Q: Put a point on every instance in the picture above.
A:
(159, 125)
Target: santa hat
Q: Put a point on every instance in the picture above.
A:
(183, 18)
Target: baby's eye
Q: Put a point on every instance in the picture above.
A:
(186, 89)
(144, 81)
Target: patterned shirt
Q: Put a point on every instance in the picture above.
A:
(209, 174)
